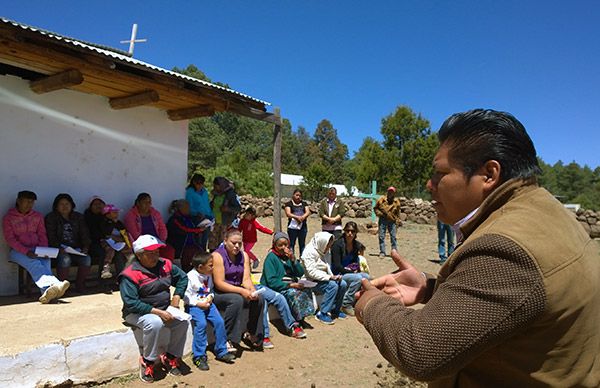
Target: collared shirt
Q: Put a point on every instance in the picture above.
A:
(456, 227)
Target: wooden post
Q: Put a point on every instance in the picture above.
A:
(277, 171)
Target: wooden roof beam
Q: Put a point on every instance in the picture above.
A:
(134, 100)
(190, 113)
(253, 113)
(57, 81)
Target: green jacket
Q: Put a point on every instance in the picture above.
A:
(275, 269)
(338, 209)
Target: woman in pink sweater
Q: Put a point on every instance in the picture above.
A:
(24, 230)
(142, 218)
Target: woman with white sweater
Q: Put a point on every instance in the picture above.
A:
(333, 287)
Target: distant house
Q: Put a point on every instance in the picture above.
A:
(88, 120)
(289, 182)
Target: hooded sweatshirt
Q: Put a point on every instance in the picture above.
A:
(315, 267)
(24, 232)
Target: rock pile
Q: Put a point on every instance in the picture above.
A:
(590, 221)
(414, 210)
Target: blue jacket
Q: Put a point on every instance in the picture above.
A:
(199, 202)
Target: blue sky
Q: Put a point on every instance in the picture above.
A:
(353, 62)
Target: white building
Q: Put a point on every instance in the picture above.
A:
(86, 120)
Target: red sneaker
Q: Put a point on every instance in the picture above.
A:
(146, 371)
(297, 332)
(267, 344)
(171, 364)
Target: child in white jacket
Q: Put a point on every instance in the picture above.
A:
(331, 286)
(198, 300)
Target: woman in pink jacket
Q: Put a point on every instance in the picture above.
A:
(24, 230)
(142, 218)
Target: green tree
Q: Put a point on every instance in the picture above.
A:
(316, 179)
(330, 150)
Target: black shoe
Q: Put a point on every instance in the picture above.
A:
(201, 362)
(228, 358)
(146, 371)
(171, 364)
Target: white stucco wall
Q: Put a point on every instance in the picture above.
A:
(72, 142)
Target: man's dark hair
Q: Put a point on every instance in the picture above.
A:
(200, 259)
(479, 135)
(60, 197)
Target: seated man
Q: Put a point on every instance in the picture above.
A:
(145, 290)
(24, 230)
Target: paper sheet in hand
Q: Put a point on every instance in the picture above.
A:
(206, 223)
(46, 252)
(294, 224)
(180, 315)
(72, 251)
(307, 283)
(117, 246)
(258, 292)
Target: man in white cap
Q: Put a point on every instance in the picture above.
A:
(387, 208)
(145, 290)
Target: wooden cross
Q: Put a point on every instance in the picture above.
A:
(133, 40)
(373, 197)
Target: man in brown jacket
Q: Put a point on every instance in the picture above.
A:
(518, 302)
(387, 208)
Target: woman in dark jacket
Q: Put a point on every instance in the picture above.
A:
(66, 229)
(182, 233)
(345, 262)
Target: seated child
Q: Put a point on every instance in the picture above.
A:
(248, 226)
(362, 261)
(198, 301)
(115, 237)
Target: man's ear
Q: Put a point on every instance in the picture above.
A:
(491, 174)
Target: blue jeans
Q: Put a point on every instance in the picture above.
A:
(277, 300)
(38, 268)
(333, 295)
(199, 319)
(64, 260)
(301, 236)
(354, 282)
(445, 231)
(390, 226)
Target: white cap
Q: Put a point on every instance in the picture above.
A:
(146, 242)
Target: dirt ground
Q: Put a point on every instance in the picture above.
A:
(341, 355)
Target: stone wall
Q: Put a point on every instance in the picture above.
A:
(413, 209)
(590, 221)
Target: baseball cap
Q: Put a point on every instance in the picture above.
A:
(391, 188)
(147, 242)
(110, 208)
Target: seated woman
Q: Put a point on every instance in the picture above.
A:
(183, 235)
(345, 261)
(235, 293)
(333, 287)
(66, 228)
(280, 263)
(93, 220)
(142, 218)
(24, 230)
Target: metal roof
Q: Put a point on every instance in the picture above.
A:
(122, 57)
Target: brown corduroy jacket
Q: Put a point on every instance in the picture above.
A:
(517, 304)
